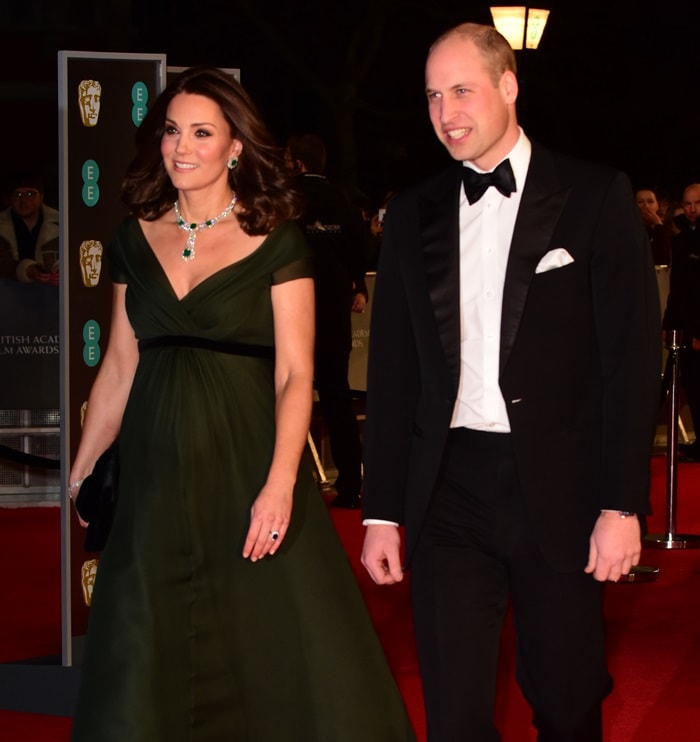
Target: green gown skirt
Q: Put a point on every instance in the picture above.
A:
(187, 641)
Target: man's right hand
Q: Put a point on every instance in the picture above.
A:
(380, 554)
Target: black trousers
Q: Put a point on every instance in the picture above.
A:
(476, 552)
(335, 402)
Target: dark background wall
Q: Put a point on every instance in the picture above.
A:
(615, 81)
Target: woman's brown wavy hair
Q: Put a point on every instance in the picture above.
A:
(265, 195)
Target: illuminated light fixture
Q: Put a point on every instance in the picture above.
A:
(522, 26)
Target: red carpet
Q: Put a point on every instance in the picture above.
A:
(654, 628)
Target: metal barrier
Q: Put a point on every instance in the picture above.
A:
(670, 539)
(30, 443)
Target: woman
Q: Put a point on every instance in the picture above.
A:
(224, 607)
(659, 232)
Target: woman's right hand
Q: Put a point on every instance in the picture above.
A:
(108, 395)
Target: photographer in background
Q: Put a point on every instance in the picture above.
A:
(334, 229)
(29, 233)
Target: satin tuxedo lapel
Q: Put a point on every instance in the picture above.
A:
(439, 234)
(541, 204)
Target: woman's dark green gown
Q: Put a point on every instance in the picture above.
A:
(188, 641)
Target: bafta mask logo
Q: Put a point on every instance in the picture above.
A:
(91, 262)
(88, 572)
(89, 95)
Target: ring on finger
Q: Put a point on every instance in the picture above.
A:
(274, 535)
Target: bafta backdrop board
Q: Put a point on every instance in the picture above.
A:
(29, 346)
(103, 98)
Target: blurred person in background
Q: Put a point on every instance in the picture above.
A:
(29, 233)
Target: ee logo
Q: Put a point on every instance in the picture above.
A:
(139, 97)
(91, 188)
(91, 349)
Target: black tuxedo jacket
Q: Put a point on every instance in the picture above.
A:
(579, 353)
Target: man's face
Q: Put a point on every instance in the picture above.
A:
(691, 203)
(473, 117)
(26, 201)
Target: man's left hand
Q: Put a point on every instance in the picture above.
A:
(615, 546)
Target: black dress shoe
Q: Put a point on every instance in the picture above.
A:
(350, 502)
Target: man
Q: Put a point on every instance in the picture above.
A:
(687, 221)
(29, 233)
(683, 309)
(335, 231)
(513, 388)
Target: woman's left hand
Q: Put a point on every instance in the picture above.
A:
(269, 520)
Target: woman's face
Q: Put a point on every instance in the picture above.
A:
(197, 143)
(647, 199)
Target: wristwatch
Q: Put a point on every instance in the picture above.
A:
(621, 513)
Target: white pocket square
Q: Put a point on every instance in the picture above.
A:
(557, 258)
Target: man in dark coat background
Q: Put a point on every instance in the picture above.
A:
(335, 231)
(512, 396)
(683, 308)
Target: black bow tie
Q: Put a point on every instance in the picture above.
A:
(476, 184)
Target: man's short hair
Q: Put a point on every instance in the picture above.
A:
(495, 50)
(308, 149)
(25, 179)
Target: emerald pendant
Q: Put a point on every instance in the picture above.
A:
(192, 228)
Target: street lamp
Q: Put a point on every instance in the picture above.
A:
(522, 26)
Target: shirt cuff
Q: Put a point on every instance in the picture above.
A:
(378, 522)
(621, 513)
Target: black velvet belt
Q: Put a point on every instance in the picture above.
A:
(191, 341)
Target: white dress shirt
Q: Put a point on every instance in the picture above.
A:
(485, 233)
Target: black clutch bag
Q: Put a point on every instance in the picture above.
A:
(97, 498)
